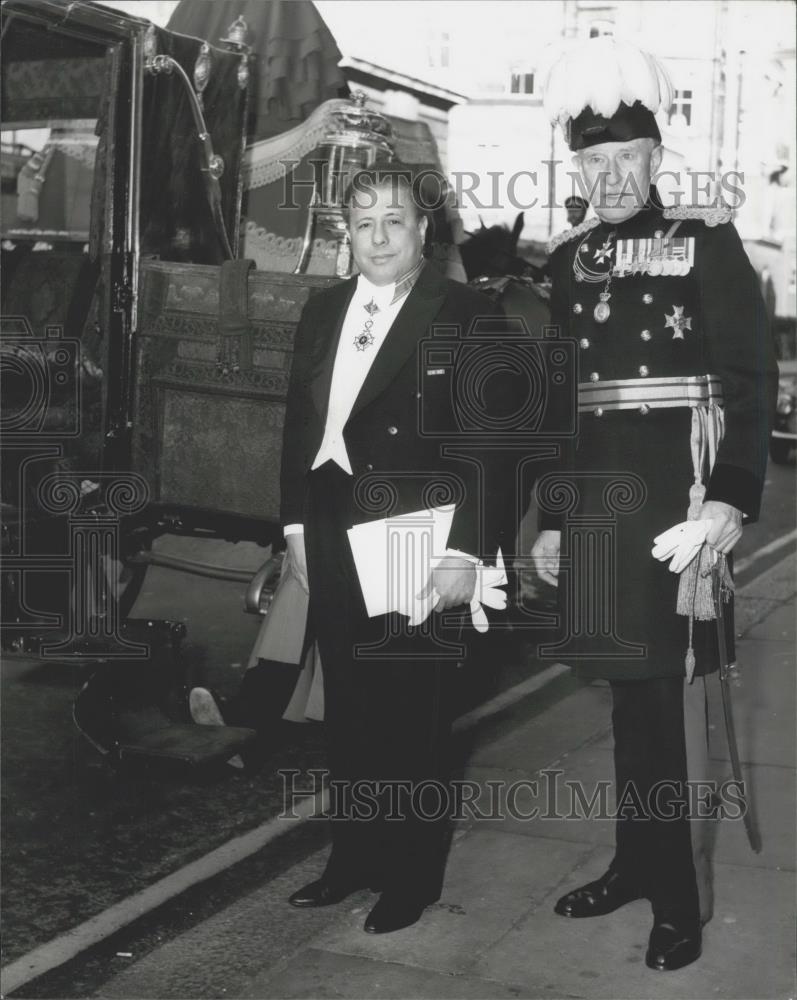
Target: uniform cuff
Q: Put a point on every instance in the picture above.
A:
(293, 529)
(549, 522)
(736, 486)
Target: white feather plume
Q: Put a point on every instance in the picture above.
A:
(602, 73)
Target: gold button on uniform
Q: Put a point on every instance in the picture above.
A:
(578, 308)
(584, 343)
(594, 377)
(392, 430)
(647, 298)
(598, 411)
(658, 234)
(644, 371)
(645, 335)
(644, 409)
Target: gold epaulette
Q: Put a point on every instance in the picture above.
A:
(711, 216)
(570, 234)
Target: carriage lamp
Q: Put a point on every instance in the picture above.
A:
(202, 68)
(236, 39)
(355, 138)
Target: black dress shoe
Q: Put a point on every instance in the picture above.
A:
(394, 911)
(673, 943)
(606, 894)
(323, 893)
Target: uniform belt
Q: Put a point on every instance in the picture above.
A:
(648, 394)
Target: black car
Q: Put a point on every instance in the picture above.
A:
(784, 432)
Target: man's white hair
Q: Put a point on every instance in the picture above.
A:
(649, 143)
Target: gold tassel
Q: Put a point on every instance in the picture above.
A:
(695, 590)
(690, 595)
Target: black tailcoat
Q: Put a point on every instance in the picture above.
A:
(386, 712)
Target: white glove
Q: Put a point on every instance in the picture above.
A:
(493, 598)
(682, 542)
(488, 579)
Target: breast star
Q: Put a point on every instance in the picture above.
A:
(678, 322)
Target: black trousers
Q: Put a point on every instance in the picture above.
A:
(653, 842)
(387, 710)
(264, 694)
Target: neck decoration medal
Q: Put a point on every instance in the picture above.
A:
(365, 338)
(602, 310)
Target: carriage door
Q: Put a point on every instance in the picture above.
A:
(68, 229)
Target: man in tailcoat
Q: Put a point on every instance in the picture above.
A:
(676, 378)
(355, 450)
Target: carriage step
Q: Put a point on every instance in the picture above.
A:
(141, 731)
(181, 742)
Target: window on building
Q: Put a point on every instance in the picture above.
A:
(521, 83)
(439, 50)
(601, 27)
(681, 109)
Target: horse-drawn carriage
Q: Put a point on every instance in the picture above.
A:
(145, 365)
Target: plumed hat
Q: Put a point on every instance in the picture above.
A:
(603, 90)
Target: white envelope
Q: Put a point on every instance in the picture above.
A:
(395, 556)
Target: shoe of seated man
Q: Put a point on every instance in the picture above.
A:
(206, 711)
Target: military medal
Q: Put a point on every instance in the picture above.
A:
(365, 338)
(667, 256)
(605, 251)
(602, 309)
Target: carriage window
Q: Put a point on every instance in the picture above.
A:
(438, 50)
(47, 180)
(598, 29)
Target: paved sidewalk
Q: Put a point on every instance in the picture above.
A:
(494, 934)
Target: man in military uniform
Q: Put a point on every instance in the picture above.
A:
(676, 377)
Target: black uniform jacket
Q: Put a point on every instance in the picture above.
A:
(405, 419)
(707, 318)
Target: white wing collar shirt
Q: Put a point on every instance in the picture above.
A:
(370, 315)
(368, 320)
